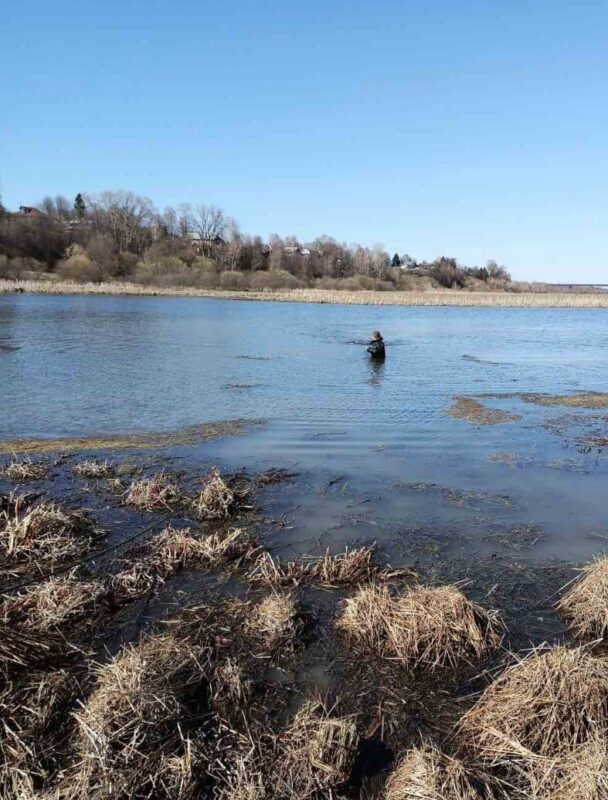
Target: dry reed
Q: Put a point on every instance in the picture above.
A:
(216, 499)
(329, 571)
(425, 773)
(318, 751)
(439, 297)
(585, 604)
(143, 701)
(424, 626)
(275, 621)
(92, 469)
(44, 533)
(24, 470)
(535, 718)
(152, 494)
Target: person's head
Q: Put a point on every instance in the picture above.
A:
(376, 336)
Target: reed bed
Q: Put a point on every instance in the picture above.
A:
(216, 500)
(44, 532)
(92, 468)
(445, 297)
(425, 773)
(23, 470)
(585, 604)
(135, 718)
(318, 752)
(154, 494)
(430, 627)
(540, 721)
(329, 571)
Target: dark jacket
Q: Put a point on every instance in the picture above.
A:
(376, 349)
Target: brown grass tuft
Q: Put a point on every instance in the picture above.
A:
(24, 470)
(21, 647)
(216, 499)
(44, 533)
(136, 716)
(318, 752)
(152, 494)
(344, 569)
(424, 626)
(425, 773)
(545, 706)
(585, 604)
(92, 469)
(274, 620)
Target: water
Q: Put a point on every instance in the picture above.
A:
(377, 457)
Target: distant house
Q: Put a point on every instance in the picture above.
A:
(203, 245)
(31, 212)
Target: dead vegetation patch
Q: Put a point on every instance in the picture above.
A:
(430, 627)
(471, 410)
(216, 500)
(425, 773)
(539, 721)
(155, 493)
(44, 533)
(318, 752)
(92, 468)
(275, 621)
(329, 571)
(574, 400)
(24, 470)
(585, 604)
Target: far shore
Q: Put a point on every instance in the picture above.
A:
(446, 297)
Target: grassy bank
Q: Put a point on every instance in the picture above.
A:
(446, 297)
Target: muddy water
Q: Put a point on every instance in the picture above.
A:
(378, 459)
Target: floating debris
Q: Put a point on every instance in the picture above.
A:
(471, 410)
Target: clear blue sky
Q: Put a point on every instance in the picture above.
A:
(475, 129)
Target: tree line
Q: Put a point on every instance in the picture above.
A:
(123, 236)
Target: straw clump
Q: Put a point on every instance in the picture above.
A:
(152, 494)
(44, 533)
(424, 626)
(274, 620)
(318, 752)
(24, 470)
(143, 701)
(541, 720)
(425, 773)
(329, 571)
(92, 469)
(216, 499)
(585, 604)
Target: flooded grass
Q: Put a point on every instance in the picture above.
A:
(136, 441)
(92, 468)
(584, 605)
(575, 400)
(23, 470)
(471, 410)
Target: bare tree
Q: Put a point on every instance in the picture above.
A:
(125, 216)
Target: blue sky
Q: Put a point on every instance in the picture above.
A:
(474, 129)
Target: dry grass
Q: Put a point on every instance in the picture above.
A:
(92, 468)
(155, 493)
(445, 297)
(539, 713)
(585, 604)
(431, 627)
(44, 533)
(21, 647)
(470, 410)
(275, 621)
(318, 752)
(425, 773)
(344, 569)
(216, 499)
(24, 470)
(135, 718)
(52, 604)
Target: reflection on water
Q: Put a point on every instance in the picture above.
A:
(365, 436)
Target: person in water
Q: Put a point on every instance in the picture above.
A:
(376, 347)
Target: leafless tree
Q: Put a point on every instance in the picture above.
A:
(125, 216)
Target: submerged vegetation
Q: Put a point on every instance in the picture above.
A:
(471, 410)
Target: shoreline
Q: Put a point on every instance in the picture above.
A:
(446, 297)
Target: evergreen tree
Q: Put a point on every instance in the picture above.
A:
(396, 262)
(80, 206)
